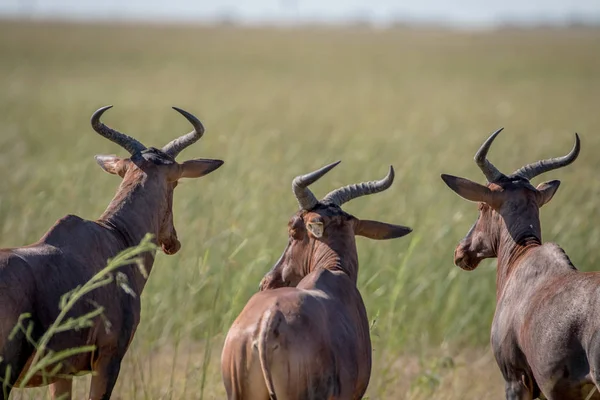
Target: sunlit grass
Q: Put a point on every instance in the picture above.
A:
(277, 103)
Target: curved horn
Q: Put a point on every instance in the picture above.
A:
(127, 142)
(347, 193)
(532, 170)
(491, 173)
(174, 147)
(306, 199)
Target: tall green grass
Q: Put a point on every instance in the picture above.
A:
(278, 103)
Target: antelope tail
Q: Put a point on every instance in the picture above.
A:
(269, 327)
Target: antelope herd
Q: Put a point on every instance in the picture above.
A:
(305, 333)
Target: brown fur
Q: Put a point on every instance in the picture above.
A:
(305, 335)
(546, 329)
(33, 278)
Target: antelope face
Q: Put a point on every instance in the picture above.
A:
(508, 206)
(511, 208)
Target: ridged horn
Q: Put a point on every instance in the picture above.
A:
(532, 170)
(347, 193)
(127, 142)
(176, 146)
(306, 198)
(491, 173)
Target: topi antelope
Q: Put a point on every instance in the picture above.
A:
(305, 335)
(546, 329)
(33, 278)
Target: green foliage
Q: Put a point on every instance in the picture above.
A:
(278, 103)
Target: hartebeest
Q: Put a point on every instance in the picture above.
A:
(33, 278)
(546, 328)
(305, 335)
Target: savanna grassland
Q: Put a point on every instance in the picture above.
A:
(280, 102)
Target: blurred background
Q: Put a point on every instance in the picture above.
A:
(284, 87)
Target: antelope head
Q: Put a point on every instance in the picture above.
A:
(321, 234)
(154, 171)
(508, 205)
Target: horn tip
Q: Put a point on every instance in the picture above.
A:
(329, 167)
(104, 108)
(577, 145)
(98, 113)
(181, 111)
(391, 172)
(191, 118)
(390, 176)
(497, 132)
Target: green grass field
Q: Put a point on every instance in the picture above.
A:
(278, 103)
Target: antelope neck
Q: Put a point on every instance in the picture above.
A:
(511, 250)
(323, 256)
(135, 210)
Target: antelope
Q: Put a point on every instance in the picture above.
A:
(546, 329)
(305, 334)
(33, 278)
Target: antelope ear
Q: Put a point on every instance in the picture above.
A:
(379, 230)
(546, 191)
(199, 167)
(112, 164)
(469, 190)
(316, 228)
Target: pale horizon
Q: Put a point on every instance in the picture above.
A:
(467, 13)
